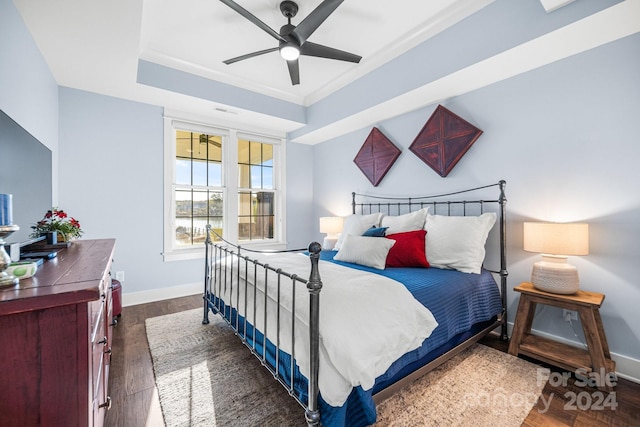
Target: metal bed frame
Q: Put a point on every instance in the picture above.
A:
(223, 252)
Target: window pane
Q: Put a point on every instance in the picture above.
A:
(199, 172)
(183, 203)
(216, 205)
(183, 144)
(267, 178)
(256, 179)
(245, 218)
(200, 203)
(267, 155)
(183, 217)
(243, 151)
(244, 207)
(215, 148)
(215, 174)
(265, 203)
(216, 227)
(199, 142)
(255, 153)
(199, 231)
(183, 231)
(183, 172)
(244, 177)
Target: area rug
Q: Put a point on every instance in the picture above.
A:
(205, 376)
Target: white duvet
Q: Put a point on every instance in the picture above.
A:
(367, 321)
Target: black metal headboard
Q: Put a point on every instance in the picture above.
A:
(453, 203)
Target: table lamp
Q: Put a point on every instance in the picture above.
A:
(556, 241)
(331, 226)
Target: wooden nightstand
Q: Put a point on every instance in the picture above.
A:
(596, 359)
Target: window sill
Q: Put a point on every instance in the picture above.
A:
(184, 254)
(198, 253)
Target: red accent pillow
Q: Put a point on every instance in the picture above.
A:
(409, 250)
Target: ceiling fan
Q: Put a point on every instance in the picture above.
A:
(293, 39)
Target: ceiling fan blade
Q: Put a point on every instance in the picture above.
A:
(294, 71)
(314, 19)
(321, 51)
(250, 55)
(248, 15)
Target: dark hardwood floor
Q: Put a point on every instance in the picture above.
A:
(134, 403)
(131, 379)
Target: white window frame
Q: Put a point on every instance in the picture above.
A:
(230, 134)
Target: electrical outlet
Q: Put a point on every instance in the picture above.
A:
(569, 315)
(120, 276)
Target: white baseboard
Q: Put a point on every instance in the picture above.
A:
(143, 297)
(626, 367)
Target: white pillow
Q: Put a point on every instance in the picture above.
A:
(408, 222)
(457, 242)
(357, 224)
(369, 251)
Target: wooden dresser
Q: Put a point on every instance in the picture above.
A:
(55, 340)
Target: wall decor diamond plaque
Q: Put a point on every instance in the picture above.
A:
(376, 156)
(443, 140)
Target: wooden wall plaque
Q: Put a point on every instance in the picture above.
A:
(443, 140)
(376, 156)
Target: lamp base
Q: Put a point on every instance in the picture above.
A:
(555, 275)
(329, 243)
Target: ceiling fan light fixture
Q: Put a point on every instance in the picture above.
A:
(289, 51)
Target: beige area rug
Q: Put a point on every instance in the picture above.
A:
(205, 376)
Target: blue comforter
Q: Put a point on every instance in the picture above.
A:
(457, 301)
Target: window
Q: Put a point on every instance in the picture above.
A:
(223, 177)
(255, 190)
(198, 186)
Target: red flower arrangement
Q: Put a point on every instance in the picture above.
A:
(57, 220)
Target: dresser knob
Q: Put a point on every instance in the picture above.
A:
(103, 341)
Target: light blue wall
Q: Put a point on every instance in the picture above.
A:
(111, 179)
(28, 91)
(301, 217)
(564, 137)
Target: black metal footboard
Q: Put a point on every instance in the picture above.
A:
(240, 289)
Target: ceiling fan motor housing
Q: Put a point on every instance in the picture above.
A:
(285, 31)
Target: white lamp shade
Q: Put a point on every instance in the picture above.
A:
(331, 225)
(556, 241)
(556, 238)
